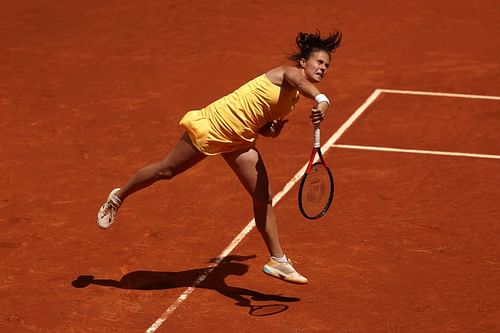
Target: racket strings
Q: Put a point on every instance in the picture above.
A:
(316, 191)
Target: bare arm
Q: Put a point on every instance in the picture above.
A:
(294, 77)
(273, 128)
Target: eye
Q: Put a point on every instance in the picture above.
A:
(320, 62)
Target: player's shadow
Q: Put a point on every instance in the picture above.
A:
(231, 265)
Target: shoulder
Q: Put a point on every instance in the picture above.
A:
(281, 75)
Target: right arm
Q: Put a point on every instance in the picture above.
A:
(294, 77)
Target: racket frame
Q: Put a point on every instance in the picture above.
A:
(316, 152)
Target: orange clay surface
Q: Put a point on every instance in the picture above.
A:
(92, 91)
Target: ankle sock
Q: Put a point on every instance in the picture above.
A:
(282, 260)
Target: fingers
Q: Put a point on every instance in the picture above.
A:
(278, 126)
(280, 122)
(317, 115)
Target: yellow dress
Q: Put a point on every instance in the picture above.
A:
(233, 121)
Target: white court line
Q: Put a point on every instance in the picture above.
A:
(439, 94)
(168, 312)
(201, 278)
(417, 151)
(288, 186)
(428, 152)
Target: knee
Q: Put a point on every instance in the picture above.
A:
(165, 172)
(262, 199)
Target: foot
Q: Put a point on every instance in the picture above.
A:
(107, 212)
(284, 271)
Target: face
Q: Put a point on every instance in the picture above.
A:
(316, 66)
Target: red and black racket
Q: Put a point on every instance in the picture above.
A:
(317, 185)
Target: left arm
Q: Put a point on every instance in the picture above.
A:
(273, 128)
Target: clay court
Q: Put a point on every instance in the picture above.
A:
(92, 91)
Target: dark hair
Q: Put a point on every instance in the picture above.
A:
(312, 42)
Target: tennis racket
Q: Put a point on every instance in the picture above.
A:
(317, 185)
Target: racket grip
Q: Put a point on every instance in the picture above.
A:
(317, 138)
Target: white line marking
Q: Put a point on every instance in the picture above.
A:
(164, 316)
(288, 186)
(201, 278)
(351, 120)
(417, 151)
(440, 94)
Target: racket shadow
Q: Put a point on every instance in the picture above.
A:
(231, 265)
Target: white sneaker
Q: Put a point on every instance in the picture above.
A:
(284, 271)
(107, 212)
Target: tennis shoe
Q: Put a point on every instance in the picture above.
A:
(284, 271)
(107, 212)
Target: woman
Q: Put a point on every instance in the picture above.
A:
(230, 127)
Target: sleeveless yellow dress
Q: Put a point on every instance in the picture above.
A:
(233, 121)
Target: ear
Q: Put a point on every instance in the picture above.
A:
(302, 62)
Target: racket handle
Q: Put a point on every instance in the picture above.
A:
(317, 138)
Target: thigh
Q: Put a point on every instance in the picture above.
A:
(251, 171)
(183, 156)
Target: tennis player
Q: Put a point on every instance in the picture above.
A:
(230, 127)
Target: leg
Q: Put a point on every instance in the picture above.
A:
(249, 167)
(183, 156)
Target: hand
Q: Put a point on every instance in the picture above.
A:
(317, 115)
(273, 128)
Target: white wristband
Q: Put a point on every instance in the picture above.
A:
(321, 98)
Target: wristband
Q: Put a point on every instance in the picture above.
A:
(321, 98)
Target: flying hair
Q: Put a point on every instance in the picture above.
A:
(308, 43)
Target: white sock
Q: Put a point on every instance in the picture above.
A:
(282, 260)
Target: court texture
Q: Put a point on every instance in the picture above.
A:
(92, 91)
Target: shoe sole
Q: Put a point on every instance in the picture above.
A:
(276, 274)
